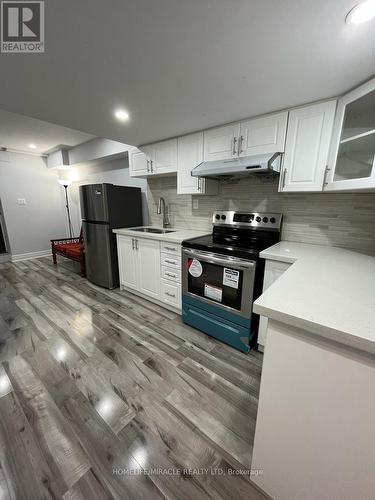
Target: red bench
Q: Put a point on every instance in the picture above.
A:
(70, 248)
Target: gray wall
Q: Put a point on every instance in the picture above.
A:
(339, 219)
(30, 227)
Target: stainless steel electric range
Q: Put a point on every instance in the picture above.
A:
(222, 274)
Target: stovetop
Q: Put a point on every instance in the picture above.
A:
(239, 234)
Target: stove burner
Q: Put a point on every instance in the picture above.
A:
(239, 234)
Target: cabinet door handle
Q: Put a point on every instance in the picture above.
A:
(171, 275)
(136, 244)
(148, 165)
(199, 183)
(152, 166)
(234, 146)
(240, 150)
(173, 249)
(326, 170)
(170, 294)
(133, 243)
(284, 178)
(174, 262)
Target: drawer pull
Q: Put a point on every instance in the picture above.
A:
(172, 249)
(174, 262)
(170, 294)
(171, 275)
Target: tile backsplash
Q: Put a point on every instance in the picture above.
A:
(336, 219)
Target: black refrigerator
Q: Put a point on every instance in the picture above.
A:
(105, 207)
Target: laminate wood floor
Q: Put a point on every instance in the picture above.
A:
(105, 395)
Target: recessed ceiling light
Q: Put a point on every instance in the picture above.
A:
(122, 115)
(32, 146)
(361, 13)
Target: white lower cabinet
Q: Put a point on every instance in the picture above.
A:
(139, 264)
(170, 260)
(273, 270)
(151, 268)
(171, 293)
(148, 252)
(127, 262)
(171, 274)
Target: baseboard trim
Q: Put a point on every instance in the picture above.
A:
(30, 255)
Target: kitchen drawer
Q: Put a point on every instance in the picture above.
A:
(171, 293)
(171, 260)
(172, 248)
(171, 274)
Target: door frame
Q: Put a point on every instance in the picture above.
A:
(5, 233)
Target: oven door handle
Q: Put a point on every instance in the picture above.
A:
(215, 258)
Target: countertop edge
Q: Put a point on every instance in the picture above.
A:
(330, 334)
(178, 236)
(277, 257)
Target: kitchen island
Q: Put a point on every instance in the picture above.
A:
(315, 433)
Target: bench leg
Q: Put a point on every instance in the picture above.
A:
(54, 256)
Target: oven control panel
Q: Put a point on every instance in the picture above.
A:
(247, 219)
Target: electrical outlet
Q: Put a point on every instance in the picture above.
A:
(21, 201)
(195, 204)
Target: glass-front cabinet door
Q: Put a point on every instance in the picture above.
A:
(352, 157)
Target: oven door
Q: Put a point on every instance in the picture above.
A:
(222, 280)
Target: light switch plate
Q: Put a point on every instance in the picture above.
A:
(21, 201)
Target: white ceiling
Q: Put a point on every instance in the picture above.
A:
(18, 131)
(183, 65)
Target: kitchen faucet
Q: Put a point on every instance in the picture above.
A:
(163, 209)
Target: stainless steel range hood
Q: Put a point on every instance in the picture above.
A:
(234, 167)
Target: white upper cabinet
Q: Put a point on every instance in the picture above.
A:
(352, 155)
(251, 137)
(221, 143)
(307, 146)
(165, 157)
(190, 154)
(138, 163)
(263, 135)
(159, 158)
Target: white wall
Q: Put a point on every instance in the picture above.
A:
(95, 149)
(30, 227)
(113, 172)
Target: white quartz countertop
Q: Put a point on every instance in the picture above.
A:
(177, 236)
(290, 251)
(328, 291)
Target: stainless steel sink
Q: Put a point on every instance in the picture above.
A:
(151, 230)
